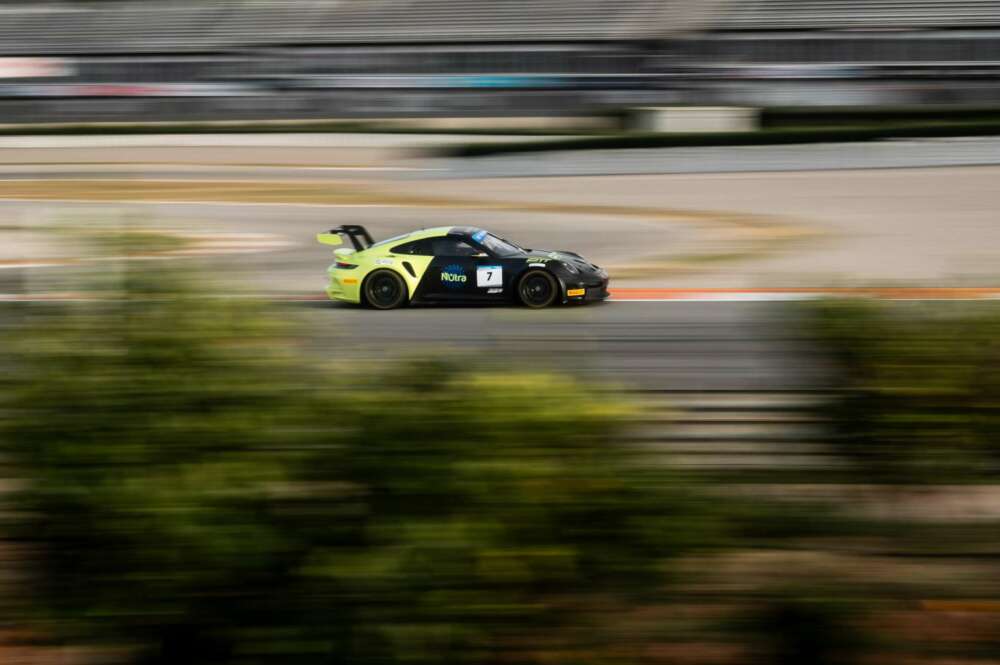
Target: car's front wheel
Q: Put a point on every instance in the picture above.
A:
(537, 289)
(384, 289)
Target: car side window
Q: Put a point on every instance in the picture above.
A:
(415, 248)
(453, 247)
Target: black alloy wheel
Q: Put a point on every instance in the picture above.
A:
(385, 289)
(538, 289)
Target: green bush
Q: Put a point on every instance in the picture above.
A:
(199, 492)
(797, 626)
(917, 388)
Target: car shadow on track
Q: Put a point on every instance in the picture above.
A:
(333, 305)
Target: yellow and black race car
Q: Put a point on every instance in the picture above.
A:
(458, 264)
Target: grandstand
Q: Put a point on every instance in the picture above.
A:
(867, 14)
(186, 26)
(847, 52)
(227, 24)
(329, 57)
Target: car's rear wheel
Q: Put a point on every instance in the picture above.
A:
(537, 289)
(384, 289)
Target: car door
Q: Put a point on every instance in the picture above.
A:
(495, 277)
(453, 274)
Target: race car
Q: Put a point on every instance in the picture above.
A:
(455, 264)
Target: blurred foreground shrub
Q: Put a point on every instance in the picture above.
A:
(919, 388)
(197, 491)
(798, 626)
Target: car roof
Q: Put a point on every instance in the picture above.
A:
(464, 230)
(434, 232)
(444, 231)
(412, 235)
(429, 233)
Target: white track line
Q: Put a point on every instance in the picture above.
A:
(785, 298)
(776, 297)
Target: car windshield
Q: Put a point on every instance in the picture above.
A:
(498, 246)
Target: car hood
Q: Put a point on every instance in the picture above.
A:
(571, 258)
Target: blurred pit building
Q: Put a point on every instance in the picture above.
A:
(258, 59)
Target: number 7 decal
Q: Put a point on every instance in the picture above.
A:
(487, 276)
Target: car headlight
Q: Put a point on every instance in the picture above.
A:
(571, 268)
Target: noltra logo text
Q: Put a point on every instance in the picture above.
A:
(453, 276)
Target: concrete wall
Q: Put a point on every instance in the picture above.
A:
(695, 119)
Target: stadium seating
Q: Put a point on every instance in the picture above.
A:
(867, 14)
(188, 25)
(226, 24)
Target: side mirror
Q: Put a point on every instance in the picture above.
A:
(329, 239)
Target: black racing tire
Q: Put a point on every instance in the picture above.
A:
(384, 289)
(537, 289)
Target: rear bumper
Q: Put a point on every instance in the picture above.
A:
(335, 294)
(343, 287)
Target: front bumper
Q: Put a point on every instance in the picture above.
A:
(588, 291)
(598, 292)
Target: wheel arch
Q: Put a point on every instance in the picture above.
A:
(560, 284)
(363, 298)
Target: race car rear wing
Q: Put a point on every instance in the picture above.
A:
(357, 234)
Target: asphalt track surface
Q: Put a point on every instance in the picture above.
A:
(668, 346)
(879, 224)
(923, 227)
